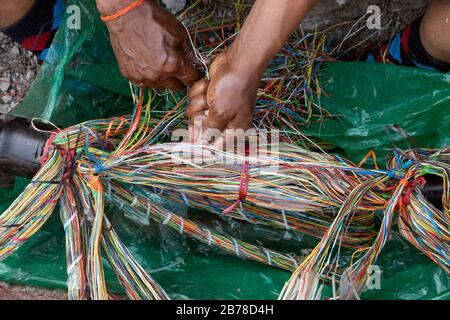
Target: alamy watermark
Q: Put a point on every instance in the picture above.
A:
(228, 147)
(374, 19)
(73, 17)
(373, 281)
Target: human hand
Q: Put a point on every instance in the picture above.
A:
(151, 46)
(226, 101)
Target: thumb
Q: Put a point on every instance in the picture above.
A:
(215, 120)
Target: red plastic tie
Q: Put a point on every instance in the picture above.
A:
(244, 182)
(409, 190)
(47, 146)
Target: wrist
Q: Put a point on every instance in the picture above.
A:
(254, 63)
(109, 7)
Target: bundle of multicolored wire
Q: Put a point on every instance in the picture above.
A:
(120, 161)
(290, 93)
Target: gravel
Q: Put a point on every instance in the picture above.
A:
(18, 69)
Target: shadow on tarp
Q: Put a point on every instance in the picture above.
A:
(80, 81)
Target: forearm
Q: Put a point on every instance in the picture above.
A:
(266, 30)
(12, 11)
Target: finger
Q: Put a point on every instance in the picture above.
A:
(209, 136)
(216, 64)
(214, 122)
(219, 143)
(196, 105)
(188, 75)
(243, 122)
(200, 87)
(171, 84)
(196, 127)
(152, 85)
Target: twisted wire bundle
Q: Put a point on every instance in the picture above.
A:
(116, 160)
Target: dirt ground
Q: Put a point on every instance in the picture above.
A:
(19, 68)
(10, 292)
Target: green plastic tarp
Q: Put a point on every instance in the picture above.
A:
(80, 81)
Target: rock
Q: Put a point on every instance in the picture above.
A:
(4, 109)
(175, 6)
(7, 98)
(5, 84)
(30, 75)
(15, 51)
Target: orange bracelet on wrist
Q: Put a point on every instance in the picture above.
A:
(123, 11)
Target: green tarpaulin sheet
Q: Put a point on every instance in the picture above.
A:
(80, 81)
